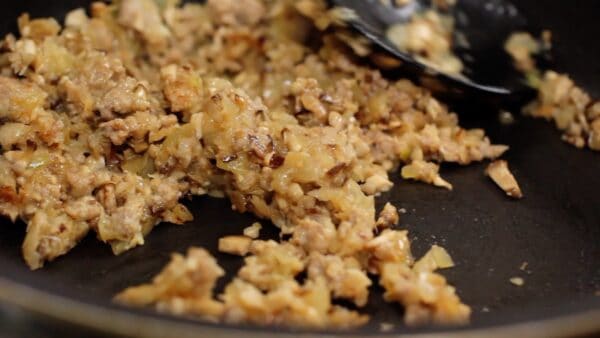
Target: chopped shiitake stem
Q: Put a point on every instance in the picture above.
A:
(498, 171)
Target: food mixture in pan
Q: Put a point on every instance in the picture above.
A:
(109, 121)
(428, 36)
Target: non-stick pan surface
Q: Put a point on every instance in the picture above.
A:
(555, 228)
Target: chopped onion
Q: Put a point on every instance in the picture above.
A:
(436, 258)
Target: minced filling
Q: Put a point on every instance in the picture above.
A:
(111, 119)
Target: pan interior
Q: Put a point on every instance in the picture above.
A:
(554, 228)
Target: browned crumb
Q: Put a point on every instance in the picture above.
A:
(253, 231)
(498, 171)
(235, 245)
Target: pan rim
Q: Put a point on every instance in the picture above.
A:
(118, 321)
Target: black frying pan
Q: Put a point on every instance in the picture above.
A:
(555, 229)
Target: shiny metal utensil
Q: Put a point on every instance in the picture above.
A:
(485, 24)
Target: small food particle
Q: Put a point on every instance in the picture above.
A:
(386, 327)
(426, 172)
(498, 171)
(436, 258)
(506, 118)
(253, 231)
(518, 281)
(235, 245)
(570, 107)
(388, 216)
(523, 266)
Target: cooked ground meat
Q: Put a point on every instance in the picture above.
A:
(570, 107)
(109, 121)
(498, 171)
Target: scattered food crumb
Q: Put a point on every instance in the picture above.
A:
(498, 171)
(253, 231)
(485, 309)
(518, 281)
(523, 266)
(402, 211)
(506, 118)
(386, 327)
